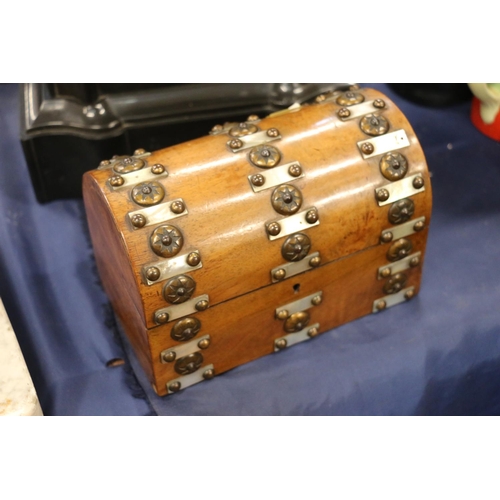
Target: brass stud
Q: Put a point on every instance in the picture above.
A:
(209, 374)
(382, 194)
(399, 249)
(127, 164)
(393, 166)
(217, 128)
(161, 318)
(179, 289)
(168, 357)
(273, 132)
(381, 305)
(282, 315)
(315, 261)
(418, 226)
(349, 98)
(258, 180)
(385, 273)
(321, 98)
(201, 305)
(177, 207)
(139, 152)
(312, 332)
(296, 247)
(279, 274)
(264, 156)
(295, 170)
(138, 220)
(312, 216)
(415, 261)
(401, 211)
(374, 124)
(273, 228)
(286, 199)
(252, 118)
(409, 294)
(379, 103)
(395, 283)
(166, 241)
(152, 273)
(235, 144)
(116, 180)
(193, 259)
(296, 322)
(316, 300)
(157, 169)
(185, 329)
(174, 387)
(418, 182)
(147, 194)
(367, 148)
(104, 163)
(242, 129)
(280, 344)
(203, 343)
(386, 237)
(344, 113)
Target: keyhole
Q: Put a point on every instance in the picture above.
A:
(296, 287)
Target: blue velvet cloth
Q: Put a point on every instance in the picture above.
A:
(437, 354)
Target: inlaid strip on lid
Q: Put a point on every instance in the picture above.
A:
(391, 141)
(400, 189)
(159, 213)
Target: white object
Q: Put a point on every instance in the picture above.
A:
(17, 393)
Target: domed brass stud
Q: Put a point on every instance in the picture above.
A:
(168, 357)
(235, 144)
(157, 169)
(139, 152)
(174, 387)
(209, 374)
(296, 322)
(161, 318)
(379, 103)
(138, 220)
(382, 194)
(374, 124)
(252, 118)
(295, 170)
(279, 275)
(286, 199)
(177, 207)
(273, 132)
(280, 344)
(296, 247)
(401, 211)
(166, 241)
(367, 148)
(399, 250)
(201, 305)
(193, 259)
(381, 305)
(418, 182)
(316, 300)
(179, 289)
(243, 129)
(104, 163)
(258, 180)
(216, 129)
(418, 226)
(414, 262)
(127, 164)
(189, 364)
(409, 294)
(273, 229)
(312, 216)
(152, 273)
(350, 98)
(312, 332)
(315, 261)
(385, 273)
(393, 166)
(320, 98)
(116, 180)
(395, 283)
(344, 113)
(282, 315)
(386, 237)
(147, 194)
(204, 343)
(265, 156)
(185, 329)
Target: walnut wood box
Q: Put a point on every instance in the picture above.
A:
(260, 235)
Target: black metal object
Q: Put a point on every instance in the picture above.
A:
(67, 129)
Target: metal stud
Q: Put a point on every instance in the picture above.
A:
(273, 228)
(393, 166)
(382, 194)
(282, 315)
(414, 262)
(104, 163)
(374, 124)
(177, 207)
(379, 103)
(252, 118)
(265, 156)
(280, 344)
(189, 364)
(179, 289)
(148, 193)
(279, 274)
(201, 305)
(157, 169)
(418, 182)
(350, 98)
(204, 343)
(399, 250)
(209, 374)
(166, 241)
(161, 318)
(243, 129)
(296, 247)
(139, 152)
(286, 199)
(409, 294)
(418, 226)
(185, 329)
(312, 332)
(386, 237)
(127, 164)
(193, 259)
(168, 357)
(316, 300)
(344, 113)
(216, 129)
(116, 180)
(381, 305)
(315, 261)
(152, 273)
(367, 148)
(174, 387)
(295, 170)
(312, 216)
(401, 211)
(386, 272)
(235, 144)
(273, 132)
(395, 283)
(320, 98)
(138, 220)
(296, 322)
(258, 180)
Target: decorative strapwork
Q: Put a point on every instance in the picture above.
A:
(398, 266)
(186, 308)
(283, 312)
(393, 299)
(391, 141)
(177, 352)
(206, 372)
(294, 338)
(276, 176)
(400, 189)
(250, 141)
(355, 111)
(123, 167)
(402, 230)
(156, 272)
(293, 268)
(228, 126)
(156, 214)
(292, 224)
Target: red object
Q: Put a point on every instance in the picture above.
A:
(490, 129)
